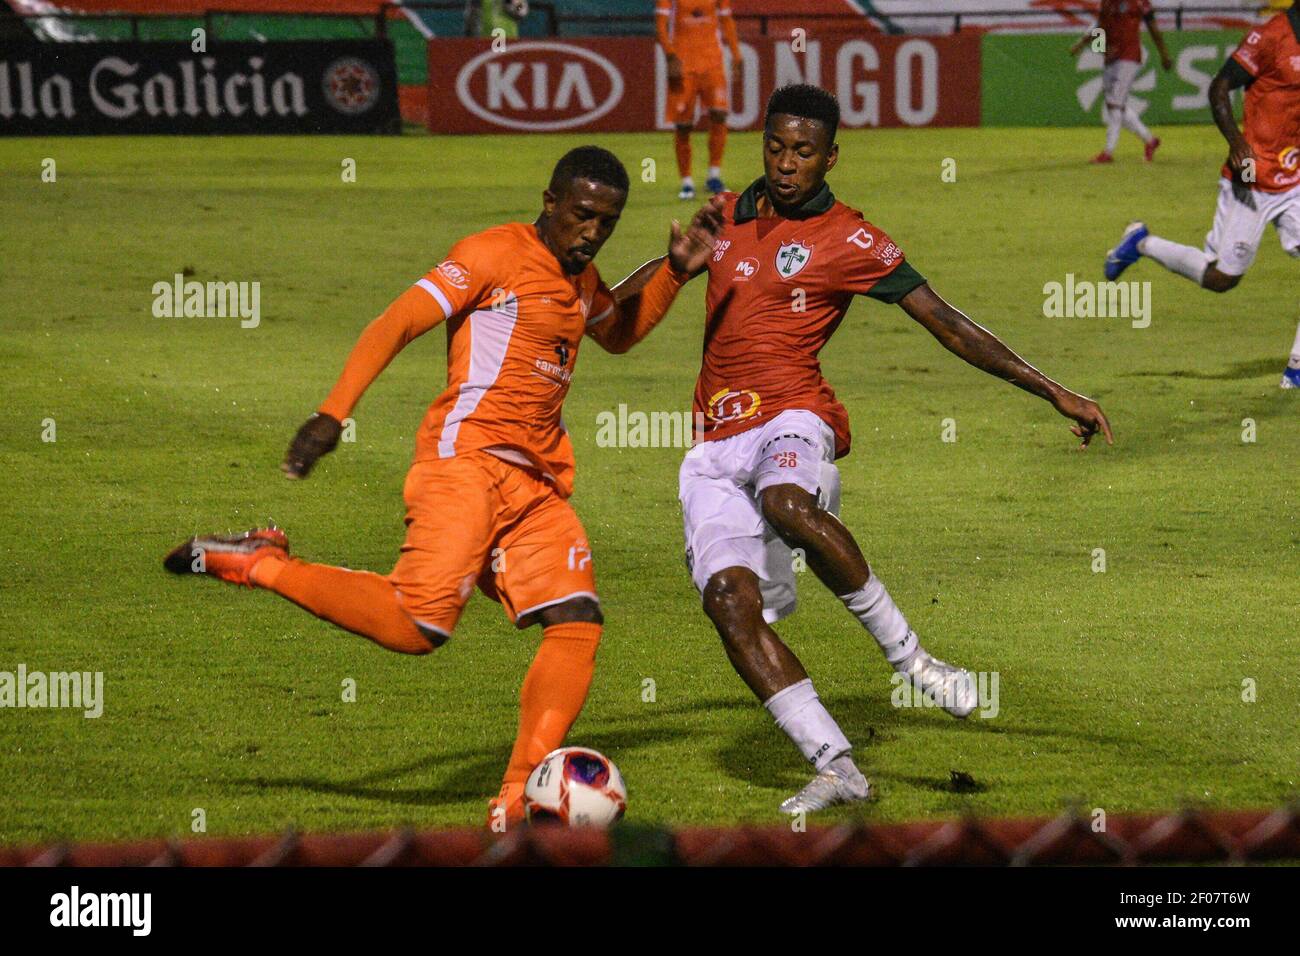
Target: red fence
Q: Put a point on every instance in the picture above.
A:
(1186, 837)
(620, 84)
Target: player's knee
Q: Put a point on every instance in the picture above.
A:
(1217, 281)
(580, 609)
(732, 598)
(717, 117)
(789, 509)
(683, 129)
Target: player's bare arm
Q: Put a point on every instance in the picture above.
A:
(1166, 61)
(981, 348)
(643, 298)
(1230, 77)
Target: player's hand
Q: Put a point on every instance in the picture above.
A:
(318, 436)
(1239, 155)
(674, 70)
(1087, 414)
(689, 249)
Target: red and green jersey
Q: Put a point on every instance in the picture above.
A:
(778, 289)
(1271, 55)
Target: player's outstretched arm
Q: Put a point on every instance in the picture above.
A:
(981, 348)
(644, 297)
(412, 314)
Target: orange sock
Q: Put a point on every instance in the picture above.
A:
(358, 601)
(682, 142)
(552, 696)
(717, 143)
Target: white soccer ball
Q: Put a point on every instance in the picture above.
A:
(575, 786)
(517, 9)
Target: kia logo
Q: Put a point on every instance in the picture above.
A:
(539, 86)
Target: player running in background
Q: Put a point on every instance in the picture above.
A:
(1121, 22)
(1260, 181)
(788, 262)
(493, 466)
(688, 31)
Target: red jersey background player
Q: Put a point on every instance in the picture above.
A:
(691, 32)
(1260, 181)
(493, 467)
(788, 262)
(1121, 24)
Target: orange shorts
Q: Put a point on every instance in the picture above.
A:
(475, 519)
(708, 87)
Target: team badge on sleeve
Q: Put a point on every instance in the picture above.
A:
(791, 258)
(455, 273)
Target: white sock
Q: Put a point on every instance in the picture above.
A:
(715, 172)
(1185, 260)
(873, 606)
(1133, 122)
(800, 713)
(687, 181)
(1295, 349)
(1114, 120)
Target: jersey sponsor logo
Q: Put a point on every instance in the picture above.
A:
(539, 86)
(731, 405)
(1295, 63)
(1289, 158)
(791, 258)
(455, 273)
(862, 239)
(745, 269)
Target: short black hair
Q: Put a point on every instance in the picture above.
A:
(588, 162)
(806, 101)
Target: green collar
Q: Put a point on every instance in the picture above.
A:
(747, 204)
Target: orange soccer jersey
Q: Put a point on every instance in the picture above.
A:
(493, 462)
(693, 30)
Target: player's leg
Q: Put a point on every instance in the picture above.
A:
(725, 554)
(734, 603)
(682, 147)
(1230, 246)
(1112, 107)
(1287, 224)
(718, 98)
(542, 574)
(357, 601)
(788, 479)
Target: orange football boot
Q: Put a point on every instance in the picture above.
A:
(230, 558)
(506, 809)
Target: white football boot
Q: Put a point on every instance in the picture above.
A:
(950, 687)
(828, 789)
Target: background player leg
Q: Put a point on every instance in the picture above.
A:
(551, 697)
(1291, 376)
(682, 145)
(834, 556)
(1134, 124)
(733, 602)
(717, 144)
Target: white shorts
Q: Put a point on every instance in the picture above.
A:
(1238, 228)
(1117, 79)
(719, 484)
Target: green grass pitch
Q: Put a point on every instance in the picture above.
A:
(1122, 690)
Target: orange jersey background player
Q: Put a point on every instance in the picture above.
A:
(691, 34)
(486, 496)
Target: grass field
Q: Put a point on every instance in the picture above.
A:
(1122, 689)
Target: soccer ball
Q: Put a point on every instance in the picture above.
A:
(517, 9)
(577, 787)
